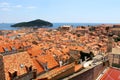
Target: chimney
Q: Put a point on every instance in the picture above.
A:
(85, 58)
(12, 75)
(81, 61)
(109, 44)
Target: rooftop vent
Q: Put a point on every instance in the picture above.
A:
(21, 65)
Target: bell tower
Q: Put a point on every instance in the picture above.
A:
(109, 44)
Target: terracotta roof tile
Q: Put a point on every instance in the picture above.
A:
(37, 66)
(34, 51)
(1, 49)
(49, 59)
(16, 62)
(78, 67)
(111, 74)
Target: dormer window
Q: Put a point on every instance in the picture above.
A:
(45, 65)
(13, 48)
(60, 63)
(6, 49)
(30, 68)
(12, 75)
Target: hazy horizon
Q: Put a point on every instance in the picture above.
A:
(52, 22)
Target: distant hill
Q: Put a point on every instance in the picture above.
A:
(34, 23)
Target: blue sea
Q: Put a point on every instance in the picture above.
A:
(7, 26)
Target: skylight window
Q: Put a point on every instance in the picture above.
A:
(21, 66)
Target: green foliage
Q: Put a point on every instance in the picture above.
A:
(88, 55)
(117, 39)
(35, 23)
(115, 65)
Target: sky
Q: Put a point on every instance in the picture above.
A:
(73, 11)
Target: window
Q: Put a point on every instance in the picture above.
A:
(116, 56)
(13, 48)
(45, 65)
(6, 49)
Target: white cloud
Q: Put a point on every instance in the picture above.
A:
(31, 7)
(5, 9)
(18, 6)
(4, 3)
(5, 6)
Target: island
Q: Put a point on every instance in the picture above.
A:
(35, 23)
